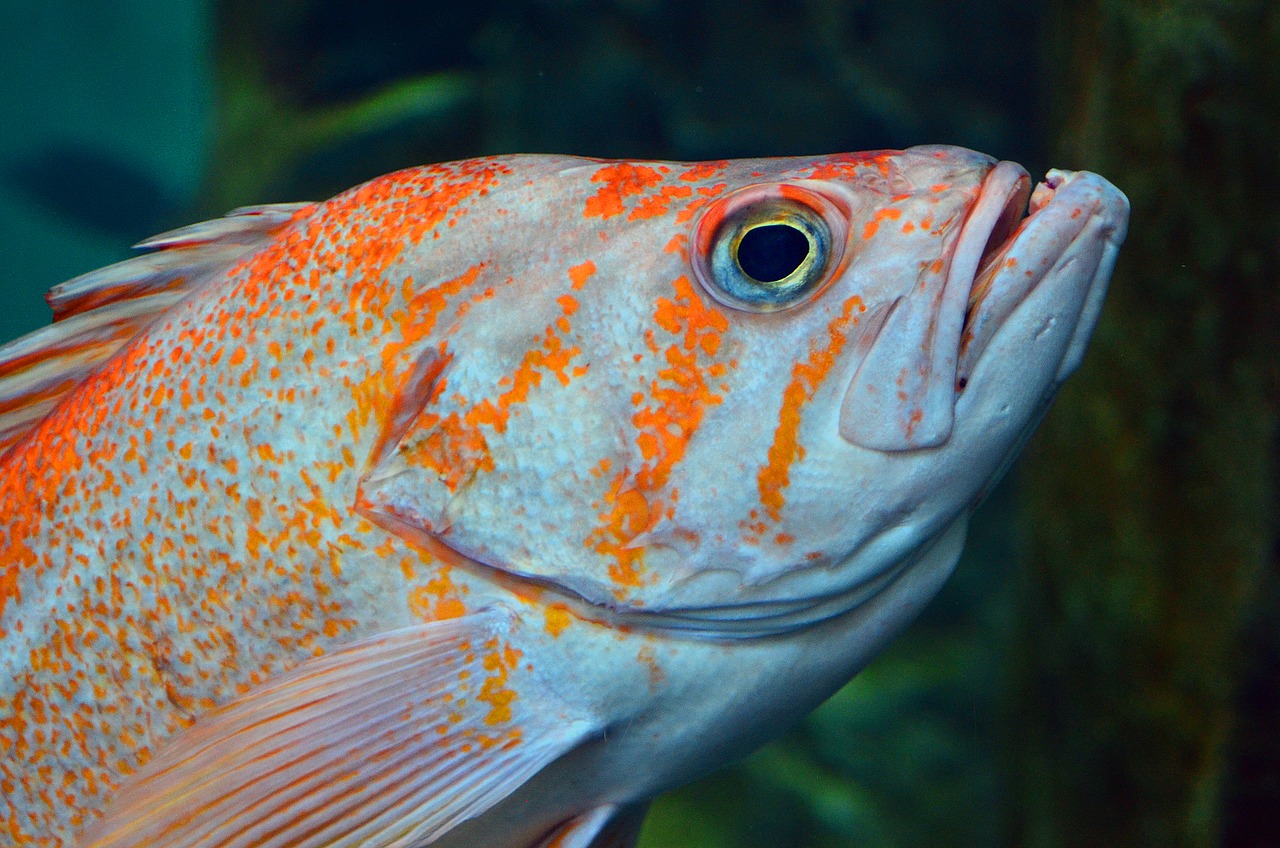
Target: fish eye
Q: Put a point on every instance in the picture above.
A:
(766, 248)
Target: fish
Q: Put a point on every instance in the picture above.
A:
(488, 500)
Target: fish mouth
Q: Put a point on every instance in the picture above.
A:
(988, 232)
(1013, 260)
(903, 395)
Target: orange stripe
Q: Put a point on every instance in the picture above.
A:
(806, 376)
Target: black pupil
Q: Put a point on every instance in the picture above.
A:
(771, 252)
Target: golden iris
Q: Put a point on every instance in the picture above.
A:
(770, 256)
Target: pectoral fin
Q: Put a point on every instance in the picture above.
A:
(391, 741)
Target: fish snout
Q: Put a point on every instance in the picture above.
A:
(954, 158)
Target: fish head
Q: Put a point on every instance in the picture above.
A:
(741, 396)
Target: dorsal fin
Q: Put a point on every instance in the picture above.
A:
(181, 259)
(98, 313)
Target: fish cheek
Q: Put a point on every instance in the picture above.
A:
(514, 481)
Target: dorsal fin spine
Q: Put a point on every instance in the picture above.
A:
(98, 313)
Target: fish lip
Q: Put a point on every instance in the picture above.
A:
(1007, 189)
(993, 222)
(1036, 242)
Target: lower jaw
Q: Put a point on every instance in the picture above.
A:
(998, 288)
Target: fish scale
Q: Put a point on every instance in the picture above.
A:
(442, 511)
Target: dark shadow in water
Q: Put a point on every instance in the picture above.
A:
(93, 188)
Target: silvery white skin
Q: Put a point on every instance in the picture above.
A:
(961, 340)
(891, 505)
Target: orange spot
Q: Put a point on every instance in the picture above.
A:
(704, 171)
(494, 691)
(888, 212)
(698, 324)
(691, 208)
(557, 619)
(579, 274)
(657, 204)
(568, 304)
(621, 179)
(437, 599)
(649, 658)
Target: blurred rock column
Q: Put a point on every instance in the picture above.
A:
(1139, 701)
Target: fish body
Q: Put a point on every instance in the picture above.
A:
(485, 501)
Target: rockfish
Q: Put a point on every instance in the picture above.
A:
(486, 501)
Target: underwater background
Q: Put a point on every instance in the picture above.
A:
(1104, 668)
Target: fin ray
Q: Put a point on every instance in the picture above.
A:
(372, 746)
(244, 225)
(98, 313)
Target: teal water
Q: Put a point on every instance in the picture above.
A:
(105, 106)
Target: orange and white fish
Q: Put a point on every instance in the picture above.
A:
(486, 501)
